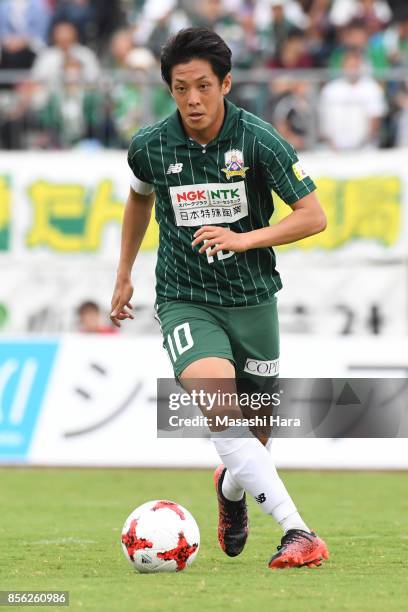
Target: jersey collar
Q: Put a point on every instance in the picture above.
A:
(177, 136)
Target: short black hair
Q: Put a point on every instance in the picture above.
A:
(86, 306)
(196, 43)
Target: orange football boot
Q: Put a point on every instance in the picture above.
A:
(299, 548)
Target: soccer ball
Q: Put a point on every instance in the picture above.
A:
(160, 536)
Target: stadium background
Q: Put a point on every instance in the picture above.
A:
(77, 78)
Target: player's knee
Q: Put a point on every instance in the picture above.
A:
(223, 416)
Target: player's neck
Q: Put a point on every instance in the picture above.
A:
(203, 137)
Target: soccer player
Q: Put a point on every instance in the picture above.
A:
(210, 168)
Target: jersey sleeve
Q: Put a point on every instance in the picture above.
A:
(282, 169)
(140, 181)
(139, 186)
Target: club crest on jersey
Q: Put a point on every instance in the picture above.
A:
(234, 164)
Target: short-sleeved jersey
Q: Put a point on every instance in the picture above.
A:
(228, 183)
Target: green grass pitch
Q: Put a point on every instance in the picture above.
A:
(60, 529)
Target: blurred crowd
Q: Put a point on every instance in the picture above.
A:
(85, 64)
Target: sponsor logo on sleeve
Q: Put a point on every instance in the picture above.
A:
(298, 171)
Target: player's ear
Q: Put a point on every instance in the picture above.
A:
(226, 84)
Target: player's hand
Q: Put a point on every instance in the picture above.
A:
(121, 301)
(219, 239)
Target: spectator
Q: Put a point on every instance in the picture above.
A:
(109, 17)
(91, 320)
(72, 114)
(375, 13)
(293, 53)
(49, 66)
(208, 13)
(244, 41)
(274, 35)
(401, 117)
(235, 28)
(293, 11)
(351, 107)
(289, 110)
(123, 54)
(23, 31)
(151, 14)
(320, 32)
(82, 14)
(168, 25)
(394, 41)
(130, 101)
(355, 35)
(17, 119)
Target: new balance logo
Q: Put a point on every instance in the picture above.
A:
(174, 169)
(260, 498)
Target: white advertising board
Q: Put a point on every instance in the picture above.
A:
(91, 401)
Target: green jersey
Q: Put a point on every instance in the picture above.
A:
(226, 182)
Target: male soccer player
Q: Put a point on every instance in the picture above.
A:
(212, 167)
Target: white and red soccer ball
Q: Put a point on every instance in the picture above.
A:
(160, 536)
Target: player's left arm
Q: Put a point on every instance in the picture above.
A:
(306, 219)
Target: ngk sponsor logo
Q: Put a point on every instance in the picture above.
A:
(213, 194)
(210, 203)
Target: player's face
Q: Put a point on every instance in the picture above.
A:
(199, 96)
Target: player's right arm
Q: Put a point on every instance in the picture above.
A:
(136, 219)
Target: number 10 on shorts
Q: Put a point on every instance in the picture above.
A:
(183, 341)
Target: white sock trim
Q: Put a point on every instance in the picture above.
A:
(294, 521)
